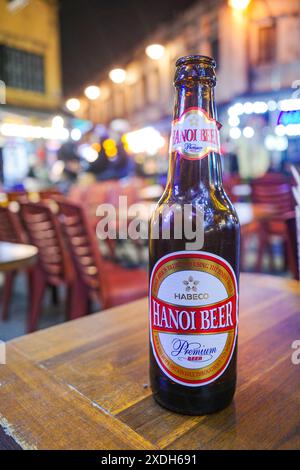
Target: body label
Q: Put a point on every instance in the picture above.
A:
(193, 316)
(195, 134)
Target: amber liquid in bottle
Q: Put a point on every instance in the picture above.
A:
(196, 182)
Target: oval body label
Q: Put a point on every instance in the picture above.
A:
(195, 134)
(193, 309)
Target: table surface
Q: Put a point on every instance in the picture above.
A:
(16, 256)
(84, 384)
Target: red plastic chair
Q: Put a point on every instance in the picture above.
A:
(50, 193)
(277, 195)
(106, 192)
(128, 187)
(17, 196)
(78, 193)
(292, 248)
(275, 190)
(272, 178)
(106, 281)
(54, 267)
(228, 183)
(10, 227)
(10, 231)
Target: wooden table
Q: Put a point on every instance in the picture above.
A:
(16, 256)
(84, 384)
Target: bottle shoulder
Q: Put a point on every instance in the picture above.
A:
(214, 204)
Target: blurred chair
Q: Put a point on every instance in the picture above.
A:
(273, 190)
(10, 231)
(91, 196)
(279, 195)
(99, 279)
(228, 183)
(272, 178)
(50, 193)
(292, 248)
(108, 192)
(100, 193)
(54, 267)
(129, 187)
(10, 227)
(78, 193)
(17, 196)
(247, 232)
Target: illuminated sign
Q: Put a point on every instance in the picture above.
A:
(289, 117)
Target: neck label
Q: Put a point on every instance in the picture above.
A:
(194, 134)
(193, 310)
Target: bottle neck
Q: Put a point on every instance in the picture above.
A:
(187, 177)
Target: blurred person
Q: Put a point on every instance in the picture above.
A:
(116, 167)
(101, 167)
(125, 166)
(71, 166)
(31, 172)
(233, 163)
(39, 164)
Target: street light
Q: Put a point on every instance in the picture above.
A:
(58, 122)
(117, 75)
(73, 105)
(76, 134)
(155, 51)
(248, 132)
(239, 4)
(92, 92)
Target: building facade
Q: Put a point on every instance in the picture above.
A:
(30, 89)
(257, 51)
(30, 54)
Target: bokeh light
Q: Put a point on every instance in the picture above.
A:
(155, 51)
(92, 92)
(73, 105)
(117, 75)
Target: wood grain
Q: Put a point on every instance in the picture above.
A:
(57, 414)
(84, 384)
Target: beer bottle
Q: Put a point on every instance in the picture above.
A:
(193, 295)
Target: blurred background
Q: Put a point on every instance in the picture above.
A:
(86, 100)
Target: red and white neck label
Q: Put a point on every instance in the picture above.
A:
(194, 135)
(193, 316)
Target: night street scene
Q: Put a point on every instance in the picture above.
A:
(149, 228)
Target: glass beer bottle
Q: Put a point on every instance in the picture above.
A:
(193, 295)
